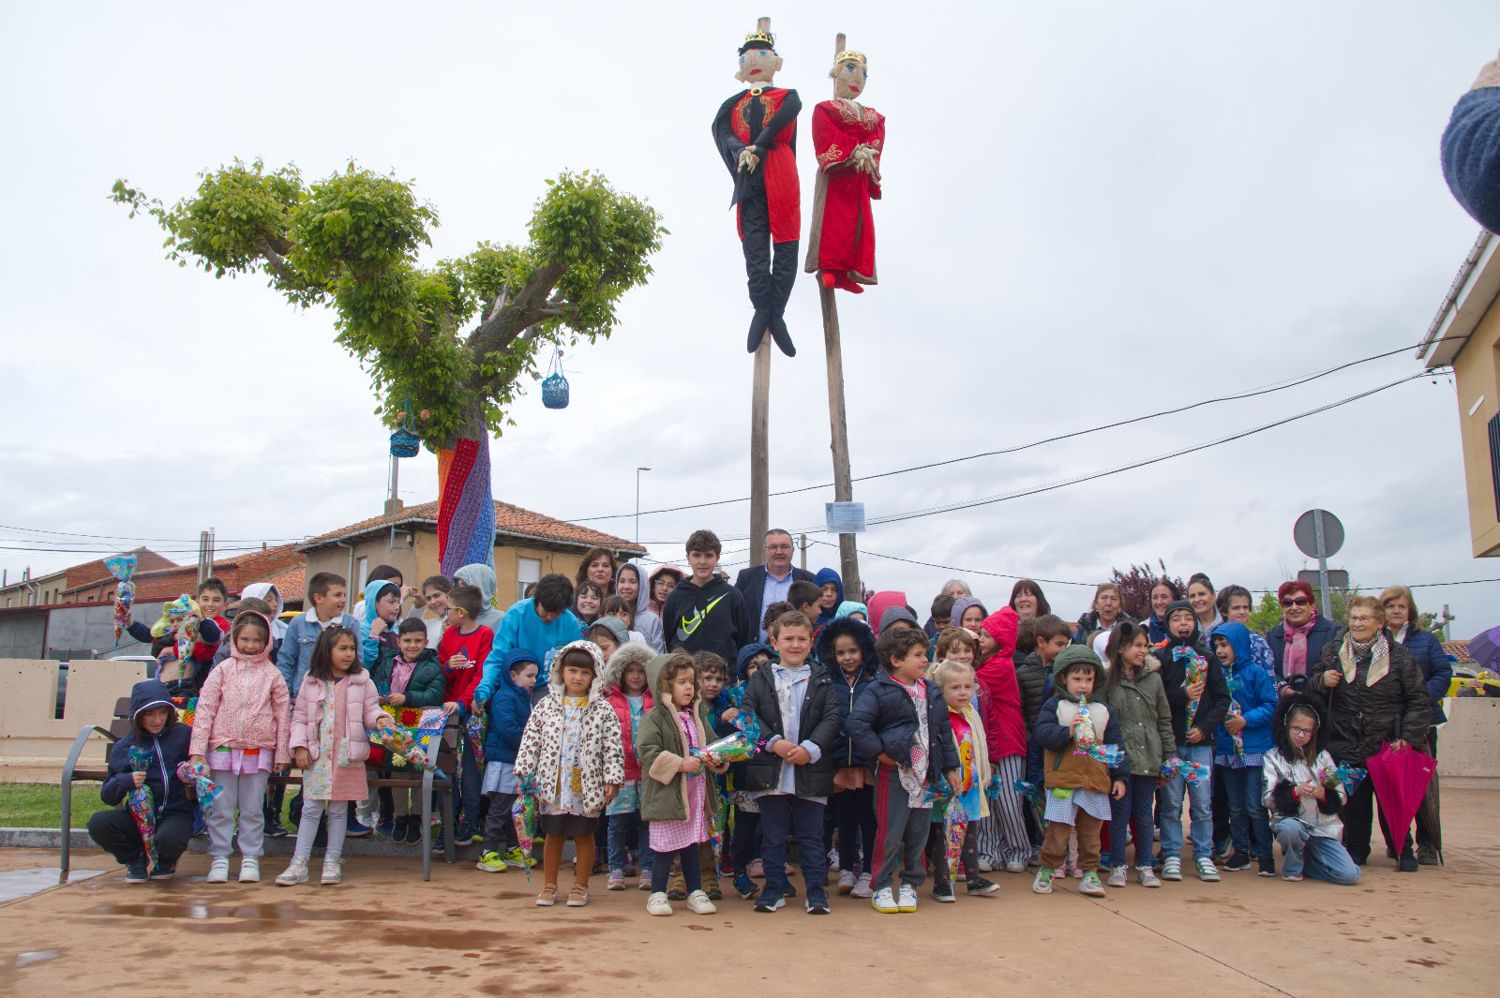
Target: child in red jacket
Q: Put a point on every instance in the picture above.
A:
(1003, 839)
(464, 647)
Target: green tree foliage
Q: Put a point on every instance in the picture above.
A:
(351, 242)
(1136, 584)
(1266, 615)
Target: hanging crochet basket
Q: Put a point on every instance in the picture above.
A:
(405, 443)
(554, 385)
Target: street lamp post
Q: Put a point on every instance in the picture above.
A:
(638, 503)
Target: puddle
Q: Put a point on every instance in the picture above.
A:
(33, 957)
(262, 913)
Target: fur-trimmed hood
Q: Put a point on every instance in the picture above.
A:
(862, 635)
(655, 674)
(555, 680)
(1279, 736)
(628, 654)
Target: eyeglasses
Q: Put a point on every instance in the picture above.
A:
(1296, 601)
(1301, 731)
(1361, 618)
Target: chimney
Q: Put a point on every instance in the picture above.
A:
(393, 506)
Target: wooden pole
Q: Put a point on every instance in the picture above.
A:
(838, 421)
(760, 473)
(843, 485)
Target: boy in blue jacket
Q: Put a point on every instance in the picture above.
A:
(901, 723)
(329, 594)
(153, 726)
(539, 626)
(508, 709)
(1244, 736)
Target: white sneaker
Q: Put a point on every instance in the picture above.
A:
(657, 904)
(1147, 877)
(986, 865)
(847, 880)
(1117, 877)
(906, 900)
(295, 873)
(885, 902)
(1015, 866)
(249, 870)
(218, 871)
(697, 903)
(1171, 868)
(333, 872)
(833, 860)
(862, 887)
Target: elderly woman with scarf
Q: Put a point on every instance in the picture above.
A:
(1298, 643)
(1375, 694)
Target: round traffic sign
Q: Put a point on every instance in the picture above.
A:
(1305, 533)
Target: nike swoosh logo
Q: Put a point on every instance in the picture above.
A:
(687, 627)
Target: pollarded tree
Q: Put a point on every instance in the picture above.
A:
(350, 242)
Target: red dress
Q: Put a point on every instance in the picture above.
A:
(843, 226)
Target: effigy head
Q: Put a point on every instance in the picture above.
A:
(849, 72)
(759, 62)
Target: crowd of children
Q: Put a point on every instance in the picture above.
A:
(658, 733)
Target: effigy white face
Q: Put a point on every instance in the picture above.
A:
(848, 79)
(758, 67)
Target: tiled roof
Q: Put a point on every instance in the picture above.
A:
(1458, 649)
(282, 566)
(510, 521)
(146, 560)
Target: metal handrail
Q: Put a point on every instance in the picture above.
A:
(87, 732)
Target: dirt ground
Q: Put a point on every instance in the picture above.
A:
(383, 932)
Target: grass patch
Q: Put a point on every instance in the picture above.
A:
(39, 805)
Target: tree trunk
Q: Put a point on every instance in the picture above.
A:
(466, 501)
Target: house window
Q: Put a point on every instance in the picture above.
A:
(528, 571)
(362, 572)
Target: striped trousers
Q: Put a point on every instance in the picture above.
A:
(1002, 836)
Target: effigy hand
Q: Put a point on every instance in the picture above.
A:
(749, 160)
(1489, 75)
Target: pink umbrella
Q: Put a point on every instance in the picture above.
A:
(1400, 778)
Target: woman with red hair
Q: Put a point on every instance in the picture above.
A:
(1297, 642)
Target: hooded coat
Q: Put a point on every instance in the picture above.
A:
(882, 601)
(1284, 770)
(1004, 728)
(1362, 716)
(847, 689)
(244, 703)
(272, 595)
(482, 577)
(1140, 705)
(362, 714)
(819, 722)
(711, 617)
(509, 708)
(960, 605)
(168, 750)
(647, 621)
(659, 608)
(660, 750)
(823, 578)
(631, 653)
(1215, 700)
(884, 719)
(1062, 766)
(602, 758)
(370, 646)
(1251, 688)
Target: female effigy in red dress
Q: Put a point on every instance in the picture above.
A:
(848, 139)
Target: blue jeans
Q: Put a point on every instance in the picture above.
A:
(1249, 825)
(1313, 855)
(1201, 801)
(781, 817)
(1134, 809)
(622, 829)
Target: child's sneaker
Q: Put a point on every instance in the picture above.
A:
(1117, 877)
(1207, 871)
(1075, 871)
(492, 862)
(769, 901)
(294, 874)
(413, 831)
(1171, 868)
(677, 888)
(163, 871)
(817, 902)
(135, 873)
(862, 888)
(398, 828)
(657, 904)
(1267, 867)
(1236, 862)
(218, 871)
(1015, 866)
(980, 887)
(884, 902)
(333, 872)
(743, 886)
(943, 893)
(1293, 877)
(250, 870)
(616, 881)
(1043, 882)
(699, 904)
(714, 894)
(517, 860)
(1091, 887)
(645, 884)
(906, 898)
(756, 869)
(1147, 876)
(847, 880)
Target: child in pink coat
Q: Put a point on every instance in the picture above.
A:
(337, 707)
(241, 730)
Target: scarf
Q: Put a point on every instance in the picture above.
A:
(1377, 652)
(914, 778)
(1296, 647)
(786, 681)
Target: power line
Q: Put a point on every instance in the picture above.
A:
(162, 540)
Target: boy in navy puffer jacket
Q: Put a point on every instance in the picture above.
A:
(508, 710)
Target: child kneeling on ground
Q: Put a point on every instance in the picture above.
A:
(1304, 797)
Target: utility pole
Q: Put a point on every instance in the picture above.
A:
(638, 503)
(803, 544)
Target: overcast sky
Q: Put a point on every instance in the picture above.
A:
(1092, 211)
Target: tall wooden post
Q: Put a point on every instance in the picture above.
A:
(838, 421)
(760, 461)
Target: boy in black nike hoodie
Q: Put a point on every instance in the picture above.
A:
(705, 613)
